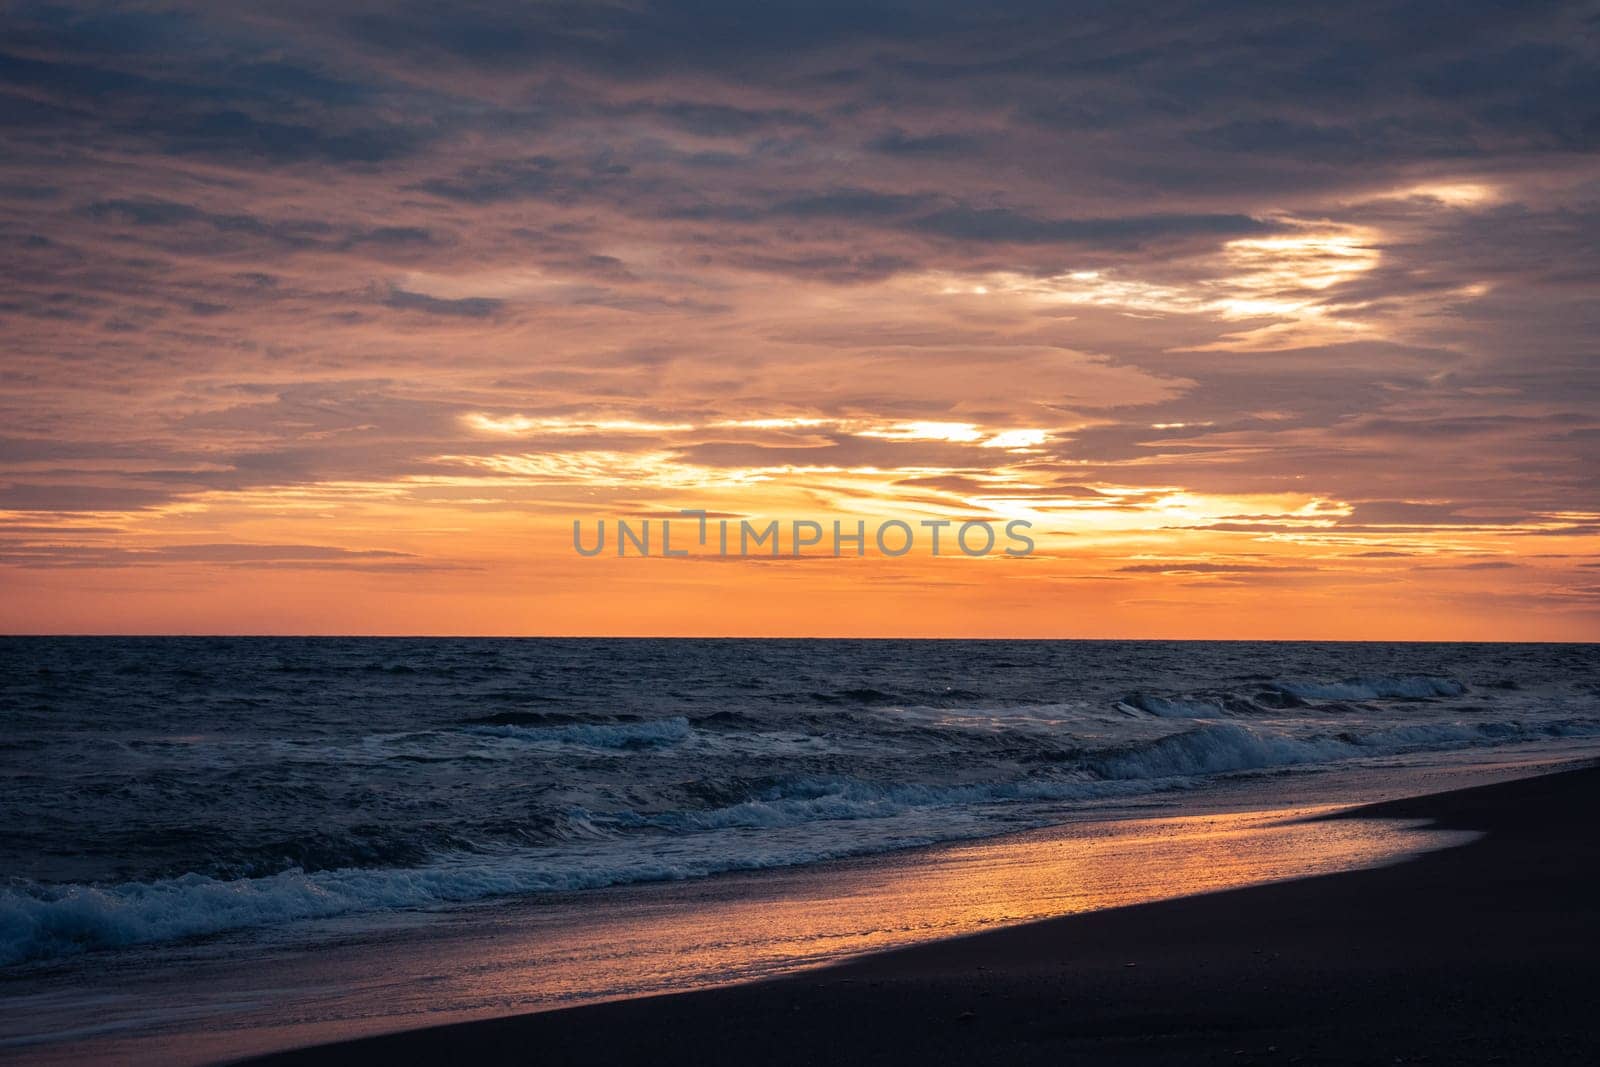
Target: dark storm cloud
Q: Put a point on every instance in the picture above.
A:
(1397, 73)
(937, 216)
(722, 120)
(472, 307)
(732, 208)
(184, 84)
(1001, 224)
(934, 145)
(54, 497)
(241, 136)
(531, 178)
(641, 41)
(1410, 513)
(291, 233)
(288, 233)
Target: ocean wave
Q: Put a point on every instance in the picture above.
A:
(1218, 748)
(150, 808)
(1174, 707)
(528, 718)
(1273, 696)
(631, 735)
(49, 921)
(1404, 687)
(42, 921)
(807, 800)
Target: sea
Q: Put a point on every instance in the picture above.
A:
(162, 791)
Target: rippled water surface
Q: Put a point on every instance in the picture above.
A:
(161, 789)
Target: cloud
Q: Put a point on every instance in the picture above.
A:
(931, 145)
(1483, 565)
(470, 307)
(1001, 224)
(1252, 274)
(528, 178)
(1202, 567)
(57, 497)
(237, 135)
(53, 555)
(1407, 513)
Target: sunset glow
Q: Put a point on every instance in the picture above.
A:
(348, 344)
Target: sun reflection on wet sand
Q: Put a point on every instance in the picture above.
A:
(503, 959)
(732, 931)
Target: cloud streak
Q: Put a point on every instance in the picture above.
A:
(1300, 296)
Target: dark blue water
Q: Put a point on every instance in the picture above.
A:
(163, 788)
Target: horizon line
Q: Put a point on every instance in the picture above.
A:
(778, 637)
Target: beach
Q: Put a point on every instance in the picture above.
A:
(275, 785)
(1482, 953)
(798, 533)
(226, 848)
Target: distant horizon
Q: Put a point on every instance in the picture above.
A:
(787, 637)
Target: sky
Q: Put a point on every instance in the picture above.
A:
(1273, 320)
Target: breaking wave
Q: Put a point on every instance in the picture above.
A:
(39, 921)
(1408, 687)
(227, 785)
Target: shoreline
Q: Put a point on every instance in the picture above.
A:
(1466, 954)
(204, 1004)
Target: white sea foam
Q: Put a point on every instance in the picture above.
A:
(490, 768)
(51, 920)
(1174, 707)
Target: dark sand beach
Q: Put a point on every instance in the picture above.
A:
(1483, 953)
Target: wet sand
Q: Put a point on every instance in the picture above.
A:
(1483, 953)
